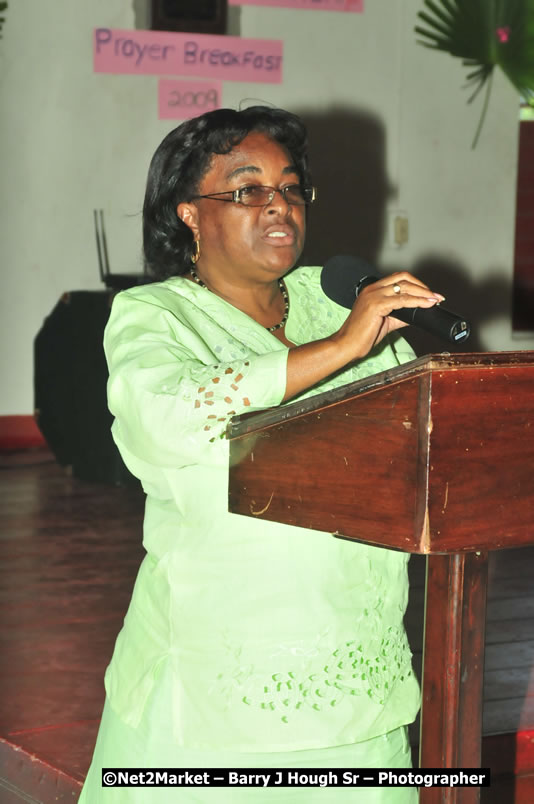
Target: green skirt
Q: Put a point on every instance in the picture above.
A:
(120, 746)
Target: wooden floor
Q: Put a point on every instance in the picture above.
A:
(70, 552)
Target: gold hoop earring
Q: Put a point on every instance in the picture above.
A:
(196, 252)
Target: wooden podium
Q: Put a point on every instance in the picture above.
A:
(434, 457)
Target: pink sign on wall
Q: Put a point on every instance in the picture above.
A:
(355, 6)
(201, 55)
(180, 100)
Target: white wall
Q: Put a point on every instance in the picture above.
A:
(71, 141)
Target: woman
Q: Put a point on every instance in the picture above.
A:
(240, 647)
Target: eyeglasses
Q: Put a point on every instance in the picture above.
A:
(258, 195)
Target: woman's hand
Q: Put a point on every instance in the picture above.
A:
(368, 323)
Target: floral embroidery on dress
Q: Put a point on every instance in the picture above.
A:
(322, 680)
(214, 392)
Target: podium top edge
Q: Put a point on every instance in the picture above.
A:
(444, 361)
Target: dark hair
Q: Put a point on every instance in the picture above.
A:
(181, 161)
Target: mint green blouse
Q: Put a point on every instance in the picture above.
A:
(277, 638)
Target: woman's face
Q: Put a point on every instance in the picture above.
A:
(253, 243)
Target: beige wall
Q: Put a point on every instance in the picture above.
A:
(390, 129)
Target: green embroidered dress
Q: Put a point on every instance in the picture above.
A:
(271, 638)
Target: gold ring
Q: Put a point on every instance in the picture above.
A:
(396, 288)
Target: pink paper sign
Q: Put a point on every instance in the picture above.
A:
(355, 6)
(180, 100)
(200, 55)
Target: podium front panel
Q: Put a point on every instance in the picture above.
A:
(355, 468)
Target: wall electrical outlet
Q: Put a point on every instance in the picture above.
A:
(399, 229)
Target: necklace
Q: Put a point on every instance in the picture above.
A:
(283, 291)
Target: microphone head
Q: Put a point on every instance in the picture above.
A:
(341, 275)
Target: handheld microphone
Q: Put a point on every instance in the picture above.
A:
(344, 277)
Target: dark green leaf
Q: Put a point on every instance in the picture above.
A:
(484, 34)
